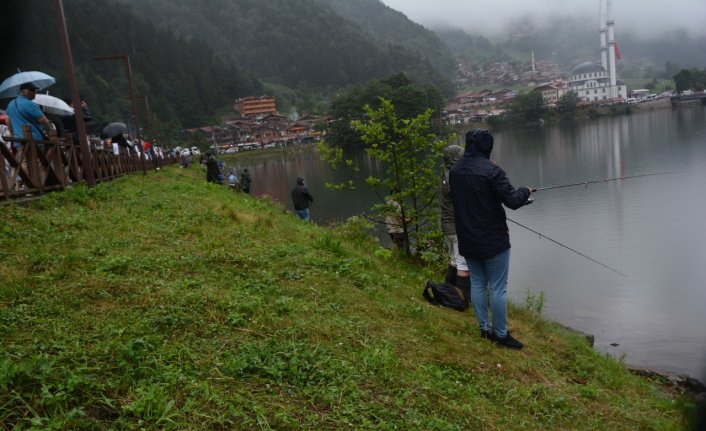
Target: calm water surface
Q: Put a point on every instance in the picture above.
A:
(653, 229)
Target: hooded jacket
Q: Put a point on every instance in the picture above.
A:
(452, 154)
(300, 195)
(479, 189)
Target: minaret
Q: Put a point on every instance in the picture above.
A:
(533, 68)
(602, 30)
(611, 51)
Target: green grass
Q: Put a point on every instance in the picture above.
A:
(162, 302)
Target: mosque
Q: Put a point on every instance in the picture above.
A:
(594, 82)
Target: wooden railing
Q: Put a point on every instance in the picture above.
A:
(37, 167)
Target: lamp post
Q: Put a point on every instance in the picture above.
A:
(128, 69)
(150, 119)
(86, 161)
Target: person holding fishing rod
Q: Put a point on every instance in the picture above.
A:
(479, 189)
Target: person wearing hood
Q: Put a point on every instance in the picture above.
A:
(211, 168)
(245, 180)
(301, 199)
(457, 270)
(479, 189)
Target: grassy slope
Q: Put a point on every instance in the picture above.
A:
(161, 302)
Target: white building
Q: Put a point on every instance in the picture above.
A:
(591, 82)
(595, 82)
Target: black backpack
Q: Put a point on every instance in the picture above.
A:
(446, 295)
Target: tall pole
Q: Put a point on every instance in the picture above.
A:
(86, 161)
(148, 114)
(611, 51)
(602, 29)
(128, 69)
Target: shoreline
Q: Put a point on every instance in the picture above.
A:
(682, 381)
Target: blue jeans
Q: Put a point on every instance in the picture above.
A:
(303, 214)
(490, 274)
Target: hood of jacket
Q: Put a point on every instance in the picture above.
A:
(451, 154)
(479, 142)
(300, 181)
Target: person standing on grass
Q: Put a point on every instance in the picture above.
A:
(395, 223)
(245, 180)
(479, 189)
(301, 199)
(211, 168)
(457, 271)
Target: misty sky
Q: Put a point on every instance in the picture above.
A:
(485, 17)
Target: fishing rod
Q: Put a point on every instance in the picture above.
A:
(569, 248)
(603, 181)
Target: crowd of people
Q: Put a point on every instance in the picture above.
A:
(215, 169)
(43, 121)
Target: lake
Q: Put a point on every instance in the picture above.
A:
(652, 228)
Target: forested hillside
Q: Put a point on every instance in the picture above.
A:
(393, 27)
(475, 47)
(302, 44)
(186, 81)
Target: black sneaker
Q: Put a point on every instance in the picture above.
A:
(508, 342)
(488, 335)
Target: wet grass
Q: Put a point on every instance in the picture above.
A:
(162, 302)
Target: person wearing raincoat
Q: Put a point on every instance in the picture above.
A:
(479, 189)
(457, 271)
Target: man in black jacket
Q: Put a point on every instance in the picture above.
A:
(479, 189)
(301, 199)
(211, 168)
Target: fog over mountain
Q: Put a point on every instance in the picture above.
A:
(639, 17)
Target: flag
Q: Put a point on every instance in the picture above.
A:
(617, 52)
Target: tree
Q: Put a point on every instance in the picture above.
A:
(568, 102)
(409, 152)
(528, 107)
(408, 98)
(683, 80)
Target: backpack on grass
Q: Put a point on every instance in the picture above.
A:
(446, 295)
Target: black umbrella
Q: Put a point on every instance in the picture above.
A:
(114, 129)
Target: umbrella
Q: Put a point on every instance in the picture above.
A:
(11, 86)
(53, 105)
(115, 129)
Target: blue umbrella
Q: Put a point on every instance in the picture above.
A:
(11, 86)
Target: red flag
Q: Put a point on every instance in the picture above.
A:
(617, 52)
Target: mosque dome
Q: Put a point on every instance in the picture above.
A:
(587, 67)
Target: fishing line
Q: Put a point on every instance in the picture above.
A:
(604, 180)
(569, 248)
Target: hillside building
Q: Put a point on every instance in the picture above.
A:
(552, 91)
(252, 106)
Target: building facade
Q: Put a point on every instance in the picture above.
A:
(252, 106)
(591, 82)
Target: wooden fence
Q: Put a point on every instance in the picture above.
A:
(54, 164)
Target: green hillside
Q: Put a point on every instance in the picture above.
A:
(302, 44)
(162, 302)
(186, 82)
(393, 27)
